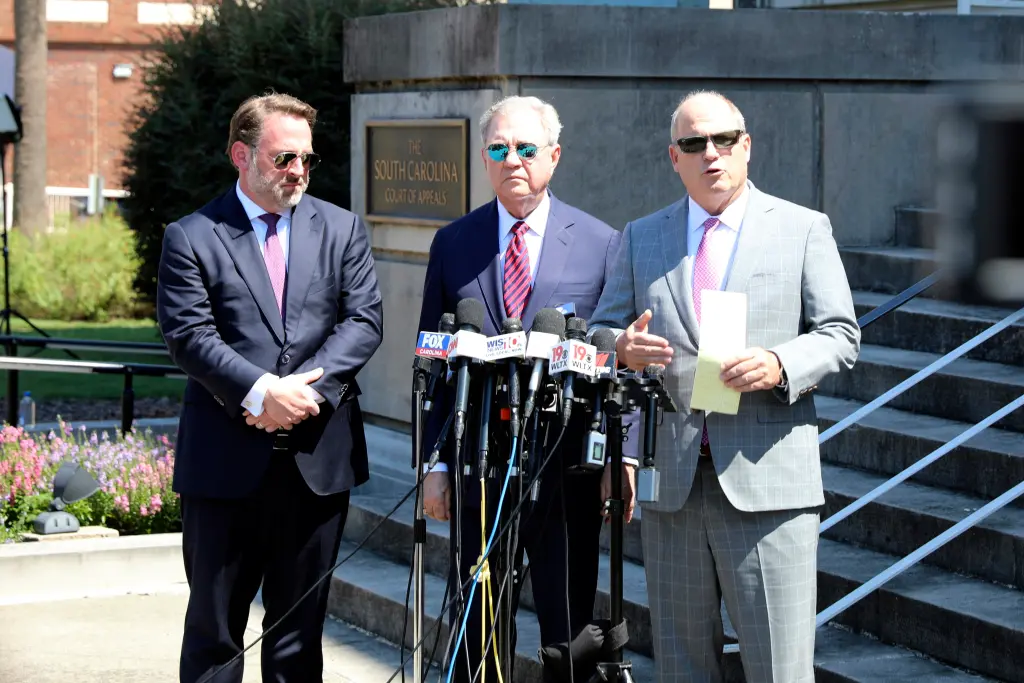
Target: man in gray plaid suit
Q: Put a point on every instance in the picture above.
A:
(737, 513)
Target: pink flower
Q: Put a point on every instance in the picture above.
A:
(144, 511)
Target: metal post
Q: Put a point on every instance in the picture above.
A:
(420, 524)
(127, 403)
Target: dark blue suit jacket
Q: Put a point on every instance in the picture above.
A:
(220, 320)
(576, 256)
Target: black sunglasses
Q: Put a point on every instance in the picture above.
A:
(698, 143)
(524, 150)
(309, 160)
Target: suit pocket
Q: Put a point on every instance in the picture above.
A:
(321, 284)
(768, 413)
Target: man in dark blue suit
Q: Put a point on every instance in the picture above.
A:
(268, 300)
(518, 254)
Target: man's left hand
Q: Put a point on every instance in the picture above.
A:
(753, 370)
(264, 422)
(628, 489)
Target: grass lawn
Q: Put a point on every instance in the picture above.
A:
(45, 385)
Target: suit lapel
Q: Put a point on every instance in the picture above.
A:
(306, 233)
(554, 253)
(753, 240)
(235, 231)
(674, 238)
(483, 247)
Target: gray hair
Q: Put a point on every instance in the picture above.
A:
(740, 123)
(548, 115)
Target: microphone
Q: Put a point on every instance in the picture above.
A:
(604, 366)
(571, 357)
(434, 345)
(648, 478)
(467, 345)
(548, 328)
(510, 346)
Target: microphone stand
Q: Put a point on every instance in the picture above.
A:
(421, 371)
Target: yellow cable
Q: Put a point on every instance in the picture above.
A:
(486, 592)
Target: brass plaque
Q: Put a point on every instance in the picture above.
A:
(416, 170)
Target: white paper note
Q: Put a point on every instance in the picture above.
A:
(723, 334)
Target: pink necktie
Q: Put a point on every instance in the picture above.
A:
(273, 256)
(516, 281)
(705, 276)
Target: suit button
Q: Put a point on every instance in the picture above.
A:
(286, 359)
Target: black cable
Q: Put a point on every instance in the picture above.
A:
(469, 581)
(568, 609)
(312, 588)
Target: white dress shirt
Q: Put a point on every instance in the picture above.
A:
(534, 237)
(730, 223)
(253, 401)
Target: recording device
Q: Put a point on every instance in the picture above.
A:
(979, 242)
(432, 355)
(604, 372)
(548, 329)
(467, 346)
(570, 358)
(510, 348)
(648, 479)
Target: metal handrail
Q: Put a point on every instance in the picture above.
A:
(903, 297)
(65, 344)
(865, 410)
(129, 370)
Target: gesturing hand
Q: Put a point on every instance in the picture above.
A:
(637, 349)
(287, 401)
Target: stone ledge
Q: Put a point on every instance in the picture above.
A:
(84, 532)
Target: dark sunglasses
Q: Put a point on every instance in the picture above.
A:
(698, 143)
(524, 150)
(309, 160)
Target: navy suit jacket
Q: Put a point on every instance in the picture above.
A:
(219, 318)
(577, 254)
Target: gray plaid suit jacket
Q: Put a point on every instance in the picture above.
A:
(798, 305)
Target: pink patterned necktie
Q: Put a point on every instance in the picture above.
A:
(516, 281)
(273, 256)
(706, 276)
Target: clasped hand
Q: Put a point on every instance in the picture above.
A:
(288, 401)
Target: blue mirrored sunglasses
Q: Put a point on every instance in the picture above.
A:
(524, 150)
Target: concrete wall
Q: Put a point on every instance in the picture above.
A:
(840, 106)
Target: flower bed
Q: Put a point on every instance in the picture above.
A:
(134, 474)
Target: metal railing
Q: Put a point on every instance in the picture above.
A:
(960, 527)
(129, 370)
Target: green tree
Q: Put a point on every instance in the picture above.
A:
(197, 76)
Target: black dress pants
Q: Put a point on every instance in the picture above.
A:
(285, 537)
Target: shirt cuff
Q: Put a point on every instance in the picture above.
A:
(253, 401)
(314, 394)
(439, 467)
(626, 460)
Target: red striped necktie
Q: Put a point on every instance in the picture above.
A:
(516, 283)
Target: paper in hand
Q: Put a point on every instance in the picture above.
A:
(723, 334)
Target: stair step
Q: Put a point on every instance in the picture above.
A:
(369, 592)
(888, 441)
(888, 270)
(910, 515)
(966, 622)
(935, 326)
(965, 390)
(915, 226)
(834, 660)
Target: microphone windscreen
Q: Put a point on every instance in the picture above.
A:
(510, 325)
(654, 371)
(447, 324)
(469, 314)
(603, 340)
(549, 321)
(575, 328)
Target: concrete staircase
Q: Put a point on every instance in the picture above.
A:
(958, 617)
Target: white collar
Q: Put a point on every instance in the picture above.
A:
(537, 219)
(731, 218)
(252, 209)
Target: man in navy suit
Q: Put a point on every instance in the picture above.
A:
(520, 253)
(268, 300)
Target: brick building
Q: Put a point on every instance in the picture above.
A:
(96, 49)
